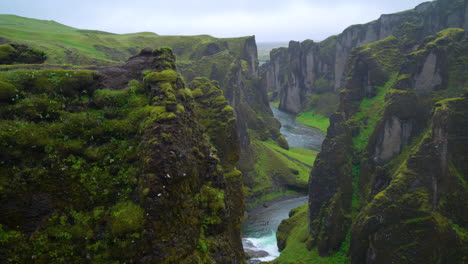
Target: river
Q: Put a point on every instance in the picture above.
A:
(259, 228)
(298, 135)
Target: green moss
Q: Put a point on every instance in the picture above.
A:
(6, 52)
(163, 76)
(126, 217)
(442, 36)
(232, 174)
(386, 52)
(110, 98)
(7, 92)
(355, 203)
(197, 92)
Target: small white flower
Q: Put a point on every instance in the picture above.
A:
(159, 195)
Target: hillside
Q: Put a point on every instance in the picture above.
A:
(68, 45)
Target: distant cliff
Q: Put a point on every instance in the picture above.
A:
(102, 169)
(306, 68)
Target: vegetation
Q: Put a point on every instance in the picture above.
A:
(372, 198)
(314, 120)
(82, 175)
(277, 165)
(293, 232)
(369, 113)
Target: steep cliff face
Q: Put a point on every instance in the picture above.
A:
(236, 70)
(89, 173)
(308, 68)
(391, 175)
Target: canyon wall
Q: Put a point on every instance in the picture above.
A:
(309, 67)
(390, 177)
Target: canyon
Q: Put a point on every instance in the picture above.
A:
(160, 149)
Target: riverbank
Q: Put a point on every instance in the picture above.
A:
(261, 224)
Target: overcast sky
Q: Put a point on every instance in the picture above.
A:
(269, 20)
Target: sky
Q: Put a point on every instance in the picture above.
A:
(268, 20)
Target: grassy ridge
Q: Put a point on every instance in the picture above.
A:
(64, 44)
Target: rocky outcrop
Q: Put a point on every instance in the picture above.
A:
(141, 174)
(16, 53)
(429, 78)
(308, 68)
(396, 136)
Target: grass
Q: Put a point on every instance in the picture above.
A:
(314, 120)
(286, 157)
(275, 165)
(296, 251)
(306, 156)
(370, 111)
(276, 104)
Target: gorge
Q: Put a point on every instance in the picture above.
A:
(143, 148)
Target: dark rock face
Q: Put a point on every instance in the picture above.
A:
(307, 68)
(396, 181)
(330, 188)
(117, 77)
(123, 174)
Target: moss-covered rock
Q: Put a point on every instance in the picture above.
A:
(126, 217)
(91, 173)
(389, 154)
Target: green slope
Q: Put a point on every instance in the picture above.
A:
(68, 45)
